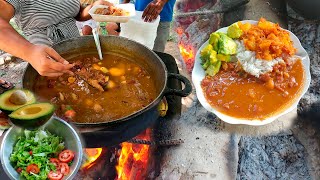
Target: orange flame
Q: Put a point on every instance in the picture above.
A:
(186, 52)
(92, 155)
(133, 159)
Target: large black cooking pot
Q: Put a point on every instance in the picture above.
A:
(131, 50)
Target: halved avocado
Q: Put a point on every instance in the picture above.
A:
(7, 106)
(32, 116)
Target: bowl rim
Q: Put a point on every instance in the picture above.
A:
(198, 73)
(75, 134)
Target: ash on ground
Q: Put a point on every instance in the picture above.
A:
(272, 157)
(308, 33)
(12, 71)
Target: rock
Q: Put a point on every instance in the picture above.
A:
(1, 60)
(8, 58)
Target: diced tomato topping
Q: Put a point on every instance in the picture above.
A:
(30, 152)
(4, 123)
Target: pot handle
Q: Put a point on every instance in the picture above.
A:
(184, 92)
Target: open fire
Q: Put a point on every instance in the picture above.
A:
(187, 53)
(133, 159)
(194, 30)
(126, 161)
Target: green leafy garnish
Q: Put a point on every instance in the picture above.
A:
(36, 147)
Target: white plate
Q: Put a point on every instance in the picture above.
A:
(109, 18)
(198, 74)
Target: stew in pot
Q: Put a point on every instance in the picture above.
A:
(128, 88)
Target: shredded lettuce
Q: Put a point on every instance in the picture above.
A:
(36, 147)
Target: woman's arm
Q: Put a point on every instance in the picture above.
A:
(12, 42)
(84, 12)
(8, 36)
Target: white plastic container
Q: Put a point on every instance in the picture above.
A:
(109, 18)
(113, 1)
(138, 30)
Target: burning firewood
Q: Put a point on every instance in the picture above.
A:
(216, 10)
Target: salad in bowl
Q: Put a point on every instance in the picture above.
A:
(52, 152)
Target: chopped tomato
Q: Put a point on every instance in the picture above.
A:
(70, 114)
(33, 168)
(30, 152)
(64, 168)
(66, 156)
(55, 162)
(4, 122)
(55, 175)
(19, 170)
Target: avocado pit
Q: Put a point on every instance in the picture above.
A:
(15, 98)
(18, 97)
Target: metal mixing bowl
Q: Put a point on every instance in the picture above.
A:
(55, 126)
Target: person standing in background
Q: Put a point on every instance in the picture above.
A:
(151, 9)
(44, 23)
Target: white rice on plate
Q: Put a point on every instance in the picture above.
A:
(251, 65)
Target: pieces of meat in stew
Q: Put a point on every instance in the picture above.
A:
(128, 88)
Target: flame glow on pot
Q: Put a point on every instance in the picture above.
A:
(92, 155)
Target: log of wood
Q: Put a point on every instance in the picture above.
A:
(216, 9)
